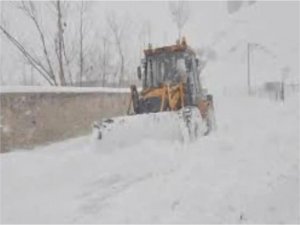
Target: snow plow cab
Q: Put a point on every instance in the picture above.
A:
(171, 88)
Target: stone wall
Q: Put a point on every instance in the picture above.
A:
(31, 119)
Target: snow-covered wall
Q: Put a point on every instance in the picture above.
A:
(34, 118)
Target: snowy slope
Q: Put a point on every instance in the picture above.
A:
(246, 172)
(273, 31)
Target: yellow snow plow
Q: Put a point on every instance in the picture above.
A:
(172, 102)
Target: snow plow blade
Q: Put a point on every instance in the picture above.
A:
(184, 125)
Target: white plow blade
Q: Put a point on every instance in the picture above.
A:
(184, 125)
(191, 123)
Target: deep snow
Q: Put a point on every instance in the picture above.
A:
(245, 172)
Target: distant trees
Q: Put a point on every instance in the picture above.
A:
(64, 49)
(45, 69)
(44, 64)
(180, 14)
(59, 47)
(104, 58)
(83, 7)
(56, 62)
(145, 33)
(120, 30)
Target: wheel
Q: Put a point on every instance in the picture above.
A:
(135, 99)
(210, 120)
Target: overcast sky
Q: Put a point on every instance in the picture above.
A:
(204, 16)
(272, 22)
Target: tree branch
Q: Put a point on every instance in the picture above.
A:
(31, 13)
(34, 62)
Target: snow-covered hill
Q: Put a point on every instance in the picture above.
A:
(272, 30)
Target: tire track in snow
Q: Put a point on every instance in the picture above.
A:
(103, 190)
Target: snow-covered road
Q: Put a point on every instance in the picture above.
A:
(246, 172)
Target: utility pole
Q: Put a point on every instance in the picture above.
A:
(248, 68)
(250, 48)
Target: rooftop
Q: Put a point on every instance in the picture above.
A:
(178, 47)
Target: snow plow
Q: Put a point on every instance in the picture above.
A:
(172, 103)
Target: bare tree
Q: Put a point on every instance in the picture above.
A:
(59, 10)
(83, 7)
(60, 54)
(31, 12)
(38, 63)
(35, 62)
(83, 31)
(180, 14)
(47, 72)
(60, 44)
(104, 58)
(78, 48)
(118, 29)
(58, 64)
